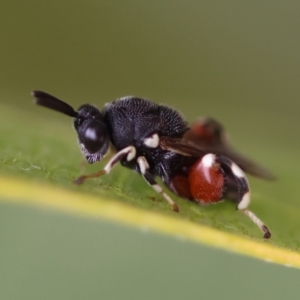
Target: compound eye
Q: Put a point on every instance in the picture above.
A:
(94, 137)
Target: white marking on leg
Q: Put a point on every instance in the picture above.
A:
(208, 160)
(129, 151)
(244, 203)
(108, 167)
(157, 188)
(244, 193)
(257, 221)
(236, 170)
(160, 190)
(143, 164)
(152, 141)
(169, 199)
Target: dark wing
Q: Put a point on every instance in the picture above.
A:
(181, 146)
(210, 136)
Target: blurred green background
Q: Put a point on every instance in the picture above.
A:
(236, 61)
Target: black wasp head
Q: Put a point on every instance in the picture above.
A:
(88, 122)
(92, 133)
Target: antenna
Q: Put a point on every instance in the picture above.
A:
(47, 100)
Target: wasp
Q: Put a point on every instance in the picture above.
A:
(195, 163)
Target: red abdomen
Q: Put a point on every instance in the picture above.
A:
(204, 182)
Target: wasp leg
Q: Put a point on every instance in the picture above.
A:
(243, 191)
(144, 166)
(129, 151)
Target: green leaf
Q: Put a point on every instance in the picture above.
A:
(41, 159)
